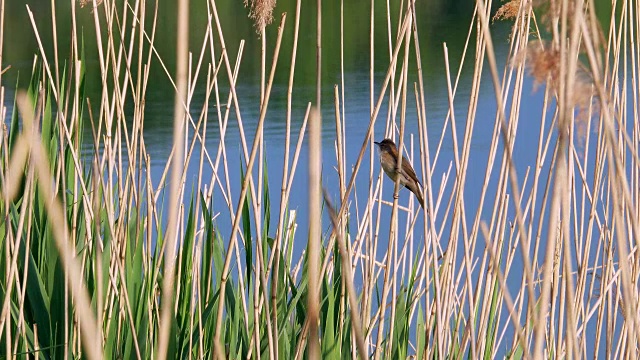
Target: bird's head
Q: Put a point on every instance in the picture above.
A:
(387, 145)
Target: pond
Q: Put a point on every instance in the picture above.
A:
(438, 22)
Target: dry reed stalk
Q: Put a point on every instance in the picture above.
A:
(426, 166)
(356, 167)
(11, 246)
(520, 41)
(232, 87)
(202, 122)
(22, 295)
(372, 247)
(460, 206)
(62, 120)
(132, 149)
(259, 298)
(343, 129)
(518, 38)
(221, 153)
(368, 270)
(182, 49)
(296, 154)
(367, 139)
(223, 123)
(99, 251)
(242, 134)
(54, 37)
(9, 236)
(61, 117)
(199, 249)
(567, 283)
(132, 144)
(338, 145)
(233, 238)
(427, 254)
(197, 257)
(200, 138)
(274, 269)
(319, 55)
(346, 268)
(115, 108)
(365, 222)
(86, 319)
(448, 291)
(389, 279)
(619, 190)
(443, 296)
(593, 215)
(586, 251)
(260, 280)
(205, 117)
(505, 133)
(502, 282)
(551, 245)
(105, 115)
(392, 95)
(2, 5)
(455, 204)
(315, 237)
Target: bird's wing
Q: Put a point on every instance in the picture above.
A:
(409, 171)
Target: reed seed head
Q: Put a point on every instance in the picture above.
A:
(261, 11)
(507, 11)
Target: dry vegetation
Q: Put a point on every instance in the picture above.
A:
(545, 267)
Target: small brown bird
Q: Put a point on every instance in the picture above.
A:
(389, 160)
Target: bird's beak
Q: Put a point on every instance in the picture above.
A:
(377, 143)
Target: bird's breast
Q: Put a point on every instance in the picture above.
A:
(388, 164)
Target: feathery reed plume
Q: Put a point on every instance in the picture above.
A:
(543, 62)
(507, 11)
(261, 12)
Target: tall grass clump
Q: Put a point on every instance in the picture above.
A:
(103, 260)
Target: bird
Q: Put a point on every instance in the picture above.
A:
(389, 162)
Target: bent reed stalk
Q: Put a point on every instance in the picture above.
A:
(543, 264)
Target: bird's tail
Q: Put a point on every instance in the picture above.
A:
(416, 189)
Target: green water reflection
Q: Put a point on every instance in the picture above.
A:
(438, 21)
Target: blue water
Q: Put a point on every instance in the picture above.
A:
(158, 139)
